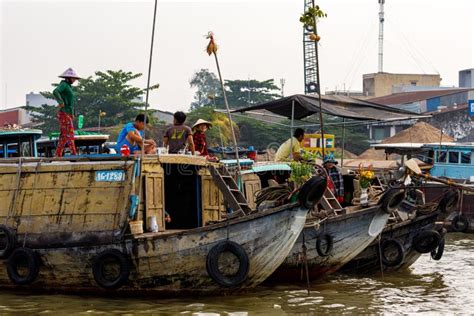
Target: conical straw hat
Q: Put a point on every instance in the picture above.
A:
(201, 121)
(69, 73)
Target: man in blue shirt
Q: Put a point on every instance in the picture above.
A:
(132, 135)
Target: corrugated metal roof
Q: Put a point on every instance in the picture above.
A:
(414, 96)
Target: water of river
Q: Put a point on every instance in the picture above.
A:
(430, 286)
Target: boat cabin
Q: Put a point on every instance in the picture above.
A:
(18, 142)
(87, 143)
(453, 160)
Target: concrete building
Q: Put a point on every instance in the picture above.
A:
(382, 83)
(37, 100)
(466, 78)
(441, 104)
(18, 116)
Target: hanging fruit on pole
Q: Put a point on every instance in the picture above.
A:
(212, 46)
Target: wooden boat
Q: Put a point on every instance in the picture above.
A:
(70, 225)
(401, 243)
(330, 240)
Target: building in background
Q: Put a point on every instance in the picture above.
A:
(37, 100)
(466, 78)
(382, 83)
(18, 116)
(447, 108)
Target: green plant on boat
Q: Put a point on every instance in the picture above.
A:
(300, 173)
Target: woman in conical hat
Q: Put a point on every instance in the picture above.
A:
(199, 136)
(66, 99)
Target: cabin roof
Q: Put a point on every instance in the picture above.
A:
(23, 131)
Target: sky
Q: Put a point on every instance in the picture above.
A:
(258, 39)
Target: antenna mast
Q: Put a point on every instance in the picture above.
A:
(381, 21)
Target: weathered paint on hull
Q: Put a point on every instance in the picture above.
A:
(368, 261)
(350, 233)
(175, 263)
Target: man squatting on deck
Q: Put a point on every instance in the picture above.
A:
(291, 148)
(132, 136)
(179, 137)
(66, 110)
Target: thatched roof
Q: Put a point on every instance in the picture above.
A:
(421, 132)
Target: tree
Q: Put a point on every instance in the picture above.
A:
(207, 86)
(220, 134)
(248, 92)
(109, 92)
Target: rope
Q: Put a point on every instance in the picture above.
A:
(276, 193)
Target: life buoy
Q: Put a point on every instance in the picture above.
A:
(7, 241)
(312, 191)
(106, 260)
(398, 259)
(426, 241)
(329, 243)
(212, 264)
(460, 223)
(449, 202)
(437, 253)
(392, 199)
(28, 261)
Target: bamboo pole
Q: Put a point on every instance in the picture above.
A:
(212, 49)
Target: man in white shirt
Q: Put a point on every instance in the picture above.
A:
(291, 148)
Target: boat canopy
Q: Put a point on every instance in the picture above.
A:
(341, 106)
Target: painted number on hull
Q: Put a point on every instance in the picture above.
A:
(110, 176)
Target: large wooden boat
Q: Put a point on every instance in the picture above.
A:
(330, 238)
(66, 227)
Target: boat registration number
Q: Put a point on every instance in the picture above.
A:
(110, 176)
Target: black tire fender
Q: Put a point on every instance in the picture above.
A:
(212, 264)
(399, 258)
(7, 241)
(324, 251)
(449, 202)
(392, 199)
(114, 256)
(437, 253)
(312, 191)
(24, 257)
(460, 223)
(426, 241)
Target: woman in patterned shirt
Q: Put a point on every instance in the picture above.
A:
(199, 136)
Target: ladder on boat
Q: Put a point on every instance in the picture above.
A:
(233, 197)
(329, 201)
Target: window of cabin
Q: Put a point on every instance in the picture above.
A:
(2, 151)
(453, 156)
(466, 157)
(441, 156)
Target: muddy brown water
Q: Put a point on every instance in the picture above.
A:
(445, 287)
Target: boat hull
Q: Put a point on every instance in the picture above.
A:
(351, 233)
(174, 263)
(368, 261)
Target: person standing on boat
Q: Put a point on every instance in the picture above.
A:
(132, 136)
(66, 111)
(291, 148)
(336, 177)
(199, 136)
(179, 136)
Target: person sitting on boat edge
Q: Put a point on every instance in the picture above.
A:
(336, 177)
(132, 135)
(199, 136)
(66, 99)
(291, 147)
(179, 136)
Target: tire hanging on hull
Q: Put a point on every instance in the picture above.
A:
(22, 258)
(99, 266)
(212, 264)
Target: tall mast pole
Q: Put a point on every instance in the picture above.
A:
(381, 22)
